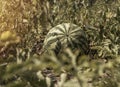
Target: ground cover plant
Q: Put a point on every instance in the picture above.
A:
(24, 27)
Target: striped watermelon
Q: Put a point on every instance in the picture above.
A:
(66, 35)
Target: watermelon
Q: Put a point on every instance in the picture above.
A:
(66, 35)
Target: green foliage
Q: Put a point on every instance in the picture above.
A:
(20, 64)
